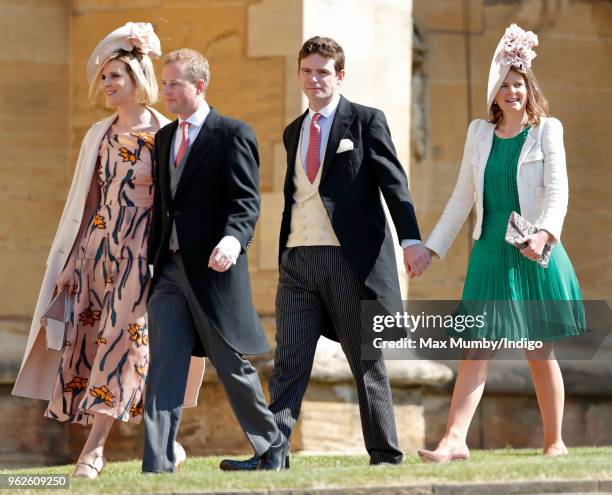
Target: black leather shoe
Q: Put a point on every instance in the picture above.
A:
(384, 463)
(275, 458)
(247, 465)
(237, 465)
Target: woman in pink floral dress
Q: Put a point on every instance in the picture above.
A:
(105, 359)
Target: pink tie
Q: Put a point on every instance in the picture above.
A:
(184, 143)
(313, 161)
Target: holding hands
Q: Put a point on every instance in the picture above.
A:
(417, 259)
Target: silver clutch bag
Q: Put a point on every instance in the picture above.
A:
(519, 227)
(54, 320)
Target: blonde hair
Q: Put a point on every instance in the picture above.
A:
(536, 105)
(140, 68)
(197, 65)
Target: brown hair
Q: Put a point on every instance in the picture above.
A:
(197, 65)
(536, 105)
(326, 47)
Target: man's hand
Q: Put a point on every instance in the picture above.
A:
(225, 254)
(535, 244)
(416, 258)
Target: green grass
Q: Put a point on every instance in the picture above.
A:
(202, 473)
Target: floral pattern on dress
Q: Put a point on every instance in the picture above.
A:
(105, 361)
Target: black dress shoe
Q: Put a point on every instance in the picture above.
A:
(237, 465)
(246, 465)
(384, 463)
(276, 458)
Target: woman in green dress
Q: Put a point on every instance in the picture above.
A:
(514, 161)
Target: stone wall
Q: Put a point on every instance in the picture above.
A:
(34, 137)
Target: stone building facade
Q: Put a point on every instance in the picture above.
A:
(424, 63)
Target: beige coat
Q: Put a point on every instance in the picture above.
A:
(541, 180)
(40, 366)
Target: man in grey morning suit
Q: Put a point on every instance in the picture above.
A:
(336, 248)
(206, 201)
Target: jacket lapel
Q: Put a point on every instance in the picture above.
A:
(163, 158)
(528, 145)
(485, 143)
(206, 137)
(293, 139)
(342, 120)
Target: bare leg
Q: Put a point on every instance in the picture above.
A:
(94, 447)
(550, 392)
(469, 386)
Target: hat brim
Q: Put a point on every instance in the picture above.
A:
(497, 75)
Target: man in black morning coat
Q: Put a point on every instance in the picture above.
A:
(204, 213)
(336, 248)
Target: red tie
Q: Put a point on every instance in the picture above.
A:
(313, 161)
(184, 143)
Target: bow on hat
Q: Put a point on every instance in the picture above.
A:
(133, 36)
(515, 49)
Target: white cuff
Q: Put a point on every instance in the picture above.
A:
(409, 242)
(230, 246)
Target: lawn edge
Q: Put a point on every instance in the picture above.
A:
(467, 488)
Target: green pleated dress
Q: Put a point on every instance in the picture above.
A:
(504, 285)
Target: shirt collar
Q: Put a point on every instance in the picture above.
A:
(328, 110)
(197, 118)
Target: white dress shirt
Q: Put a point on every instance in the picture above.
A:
(195, 121)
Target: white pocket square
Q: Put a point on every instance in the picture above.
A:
(345, 145)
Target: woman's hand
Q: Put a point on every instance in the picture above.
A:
(416, 259)
(535, 244)
(67, 278)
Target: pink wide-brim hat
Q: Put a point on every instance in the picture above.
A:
(138, 36)
(515, 49)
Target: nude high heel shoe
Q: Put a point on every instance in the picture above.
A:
(556, 450)
(94, 470)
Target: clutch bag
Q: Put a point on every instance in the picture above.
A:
(54, 320)
(519, 227)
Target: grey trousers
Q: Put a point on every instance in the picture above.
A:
(315, 280)
(176, 320)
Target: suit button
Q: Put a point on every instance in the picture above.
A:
(167, 213)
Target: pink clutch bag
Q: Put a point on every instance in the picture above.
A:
(54, 320)
(519, 227)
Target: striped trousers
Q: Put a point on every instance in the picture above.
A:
(317, 285)
(176, 323)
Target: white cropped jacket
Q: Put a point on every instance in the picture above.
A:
(541, 179)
